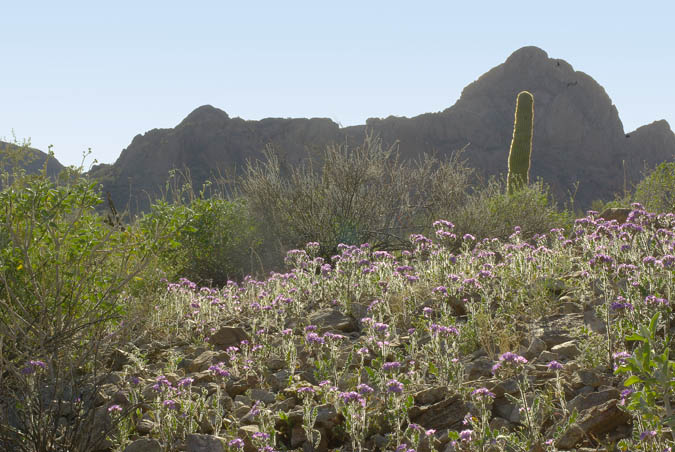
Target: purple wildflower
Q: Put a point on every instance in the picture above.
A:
(352, 396)
(466, 435)
(313, 338)
(554, 365)
(237, 443)
(647, 435)
(32, 366)
(391, 365)
(185, 382)
(394, 386)
(483, 392)
(170, 404)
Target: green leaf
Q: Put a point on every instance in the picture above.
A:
(633, 379)
(636, 337)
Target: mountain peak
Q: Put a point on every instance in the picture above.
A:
(527, 53)
(205, 113)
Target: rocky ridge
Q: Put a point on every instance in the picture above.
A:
(578, 136)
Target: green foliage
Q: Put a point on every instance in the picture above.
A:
(652, 377)
(206, 240)
(521, 145)
(60, 264)
(63, 272)
(656, 192)
(489, 212)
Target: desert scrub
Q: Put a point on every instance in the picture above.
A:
(63, 277)
(351, 195)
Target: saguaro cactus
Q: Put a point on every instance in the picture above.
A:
(521, 145)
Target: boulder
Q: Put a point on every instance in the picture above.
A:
(227, 336)
(196, 442)
(144, 445)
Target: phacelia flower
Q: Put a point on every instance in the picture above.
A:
(554, 365)
(483, 392)
(394, 386)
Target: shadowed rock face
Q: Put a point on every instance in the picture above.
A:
(578, 136)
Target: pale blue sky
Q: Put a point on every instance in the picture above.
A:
(90, 74)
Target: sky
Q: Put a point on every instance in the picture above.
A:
(82, 75)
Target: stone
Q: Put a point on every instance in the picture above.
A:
(572, 436)
(275, 364)
(535, 348)
(145, 425)
(448, 413)
(266, 397)
(430, 395)
(144, 445)
(197, 442)
(479, 367)
(583, 402)
(204, 361)
(240, 386)
(228, 336)
(326, 416)
(594, 422)
(332, 320)
(620, 214)
(593, 322)
(280, 380)
(547, 356)
(499, 424)
(585, 377)
(246, 432)
(569, 349)
(299, 438)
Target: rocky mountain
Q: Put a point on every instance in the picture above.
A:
(32, 160)
(578, 136)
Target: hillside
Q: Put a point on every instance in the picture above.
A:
(32, 160)
(578, 136)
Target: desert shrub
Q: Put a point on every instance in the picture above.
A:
(206, 237)
(358, 195)
(656, 192)
(491, 212)
(63, 272)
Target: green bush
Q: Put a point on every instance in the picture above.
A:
(63, 272)
(656, 192)
(208, 240)
(491, 212)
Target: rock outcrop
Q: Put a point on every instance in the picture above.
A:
(578, 136)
